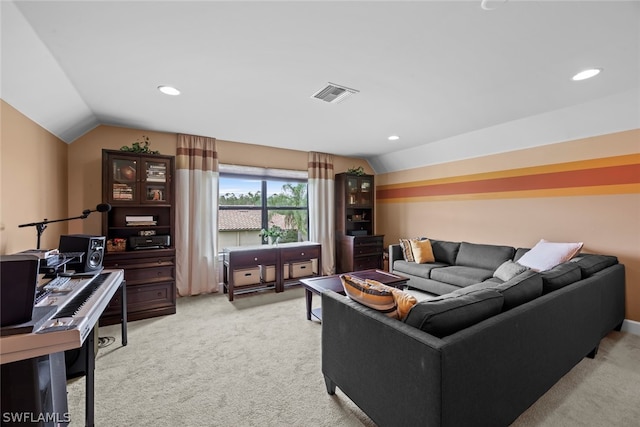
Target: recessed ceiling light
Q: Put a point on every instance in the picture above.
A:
(169, 90)
(586, 74)
(393, 138)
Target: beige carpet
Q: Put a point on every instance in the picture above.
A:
(256, 362)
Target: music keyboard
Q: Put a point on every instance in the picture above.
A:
(81, 307)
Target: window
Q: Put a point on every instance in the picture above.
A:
(252, 199)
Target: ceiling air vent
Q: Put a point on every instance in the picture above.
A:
(333, 93)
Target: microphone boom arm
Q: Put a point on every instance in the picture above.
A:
(42, 225)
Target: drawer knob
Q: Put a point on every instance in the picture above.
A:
(302, 254)
(255, 259)
(159, 261)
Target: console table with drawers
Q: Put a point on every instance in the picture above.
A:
(251, 268)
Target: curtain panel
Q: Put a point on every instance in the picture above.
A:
(321, 189)
(196, 215)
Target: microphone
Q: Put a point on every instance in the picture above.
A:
(102, 207)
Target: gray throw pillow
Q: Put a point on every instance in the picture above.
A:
(508, 270)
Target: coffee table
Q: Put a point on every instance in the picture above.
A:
(318, 285)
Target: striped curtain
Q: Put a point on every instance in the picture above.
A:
(321, 191)
(196, 215)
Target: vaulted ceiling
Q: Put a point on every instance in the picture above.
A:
(424, 70)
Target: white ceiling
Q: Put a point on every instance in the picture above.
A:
(426, 70)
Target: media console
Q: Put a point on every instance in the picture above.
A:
(250, 268)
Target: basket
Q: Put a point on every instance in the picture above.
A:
(116, 245)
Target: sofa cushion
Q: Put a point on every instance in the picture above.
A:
(489, 257)
(407, 249)
(590, 263)
(508, 270)
(520, 289)
(407, 252)
(519, 253)
(372, 296)
(391, 301)
(560, 276)
(545, 255)
(459, 275)
(413, 269)
(448, 314)
(404, 300)
(422, 251)
(444, 251)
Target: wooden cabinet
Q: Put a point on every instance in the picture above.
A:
(360, 253)
(354, 204)
(357, 247)
(140, 190)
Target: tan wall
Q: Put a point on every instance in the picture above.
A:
(235, 153)
(85, 168)
(85, 164)
(605, 217)
(33, 180)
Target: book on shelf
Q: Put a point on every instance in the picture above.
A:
(136, 218)
(141, 223)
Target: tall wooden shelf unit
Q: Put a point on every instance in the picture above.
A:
(357, 247)
(140, 185)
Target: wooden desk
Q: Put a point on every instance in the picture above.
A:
(252, 258)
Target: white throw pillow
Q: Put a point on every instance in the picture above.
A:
(546, 255)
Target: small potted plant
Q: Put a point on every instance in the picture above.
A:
(273, 234)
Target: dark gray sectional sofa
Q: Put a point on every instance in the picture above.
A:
(483, 350)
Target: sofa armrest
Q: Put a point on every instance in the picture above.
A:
(395, 253)
(391, 370)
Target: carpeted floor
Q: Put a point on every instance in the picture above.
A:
(256, 362)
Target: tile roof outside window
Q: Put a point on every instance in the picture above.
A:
(245, 220)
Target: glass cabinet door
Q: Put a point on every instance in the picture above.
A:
(352, 190)
(155, 181)
(365, 189)
(124, 180)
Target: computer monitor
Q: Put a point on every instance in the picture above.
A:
(18, 282)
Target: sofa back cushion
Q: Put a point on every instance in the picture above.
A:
(560, 276)
(450, 313)
(444, 251)
(489, 257)
(590, 263)
(521, 289)
(518, 290)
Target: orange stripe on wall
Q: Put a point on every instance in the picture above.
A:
(570, 179)
(556, 192)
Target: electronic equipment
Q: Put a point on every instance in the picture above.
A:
(149, 242)
(92, 246)
(18, 281)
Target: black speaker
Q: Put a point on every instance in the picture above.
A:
(92, 246)
(76, 359)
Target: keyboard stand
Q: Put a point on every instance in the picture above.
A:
(90, 362)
